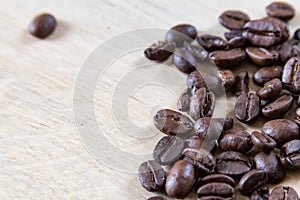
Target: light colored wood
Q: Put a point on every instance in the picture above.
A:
(42, 156)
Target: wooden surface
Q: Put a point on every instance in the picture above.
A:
(42, 153)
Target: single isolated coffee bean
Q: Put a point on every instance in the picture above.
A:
(217, 178)
(261, 194)
(283, 193)
(227, 58)
(262, 56)
(197, 51)
(42, 25)
(156, 198)
(288, 49)
(216, 190)
(247, 107)
(252, 181)
(233, 19)
(183, 103)
(291, 74)
(297, 34)
(262, 141)
(212, 42)
(184, 61)
(159, 51)
(241, 83)
(227, 77)
(271, 90)
(281, 10)
(151, 175)
(181, 179)
(290, 154)
(181, 33)
(195, 80)
(235, 140)
(265, 74)
(278, 108)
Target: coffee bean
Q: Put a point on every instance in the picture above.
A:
(278, 108)
(235, 140)
(297, 117)
(42, 25)
(261, 194)
(291, 74)
(288, 49)
(262, 141)
(151, 175)
(252, 181)
(184, 61)
(228, 123)
(283, 193)
(285, 34)
(203, 124)
(227, 58)
(247, 107)
(197, 51)
(172, 122)
(241, 83)
(233, 34)
(195, 80)
(270, 163)
(213, 82)
(168, 150)
(281, 10)
(181, 33)
(219, 178)
(194, 142)
(211, 42)
(159, 51)
(217, 191)
(202, 159)
(180, 180)
(233, 19)
(281, 130)
(262, 56)
(297, 34)
(233, 164)
(237, 42)
(265, 74)
(202, 104)
(290, 154)
(271, 90)
(183, 103)
(156, 198)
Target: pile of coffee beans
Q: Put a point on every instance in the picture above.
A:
(206, 154)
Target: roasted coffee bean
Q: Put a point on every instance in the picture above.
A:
(172, 122)
(42, 25)
(211, 42)
(184, 61)
(233, 34)
(197, 51)
(235, 140)
(180, 180)
(228, 123)
(252, 181)
(262, 56)
(213, 82)
(194, 142)
(237, 42)
(291, 74)
(233, 19)
(241, 83)
(159, 51)
(202, 104)
(297, 117)
(151, 175)
(202, 159)
(297, 34)
(233, 164)
(278, 108)
(195, 80)
(261, 194)
(271, 90)
(281, 130)
(288, 49)
(284, 193)
(227, 58)
(283, 25)
(247, 107)
(168, 150)
(181, 33)
(270, 163)
(219, 178)
(281, 10)
(156, 198)
(265, 74)
(203, 124)
(290, 154)
(216, 190)
(262, 141)
(183, 103)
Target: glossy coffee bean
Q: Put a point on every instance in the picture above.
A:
(180, 180)
(290, 48)
(241, 83)
(262, 56)
(233, 19)
(216, 190)
(213, 82)
(196, 50)
(252, 181)
(228, 123)
(42, 25)
(261, 194)
(233, 34)
(195, 80)
(262, 141)
(156, 198)
(194, 142)
(281, 10)
(247, 107)
(181, 33)
(297, 34)
(215, 125)
(183, 103)
(265, 74)
(217, 178)
(235, 140)
(270, 163)
(290, 154)
(227, 58)
(159, 51)
(184, 61)
(278, 108)
(168, 150)
(211, 42)
(291, 74)
(283, 193)
(271, 90)
(285, 34)
(227, 77)
(151, 175)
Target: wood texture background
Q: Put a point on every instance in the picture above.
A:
(42, 155)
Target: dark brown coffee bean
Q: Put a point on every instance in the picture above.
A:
(283, 25)
(195, 80)
(183, 103)
(233, 34)
(297, 34)
(290, 154)
(233, 164)
(202, 159)
(42, 25)
(252, 181)
(233, 19)
(159, 51)
(151, 175)
(197, 51)
(288, 49)
(216, 190)
(271, 90)
(203, 124)
(211, 42)
(228, 123)
(213, 82)
(297, 117)
(291, 74)
(261, 194)
(202, 104)
(281, 10)
(156, 198)
(247, 107)
(265, 74)
(283, 193)
(262, 56)
(235, 38)
(262, 141)
(270, 163)
(180, 180)
(168, 150)
(278, 108)
(219, 178)
(181, 33)
(241, 83)
(194, 142)
(281, 130)
(227, 58)
(235, 140)
(172, 122)
(184, 61)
